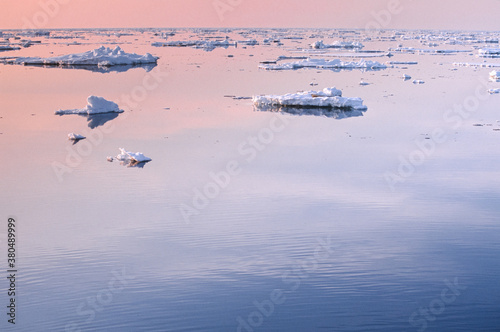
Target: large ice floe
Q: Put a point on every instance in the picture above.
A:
(95, 105)
(325, 64)
(320, 102)
(102, 57)
(337, 44)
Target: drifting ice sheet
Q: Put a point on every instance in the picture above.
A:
(327, 98)
(207, 45)
(95, 105)
(325, 64)
(102, 56)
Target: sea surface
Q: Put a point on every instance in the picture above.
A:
(249, 219)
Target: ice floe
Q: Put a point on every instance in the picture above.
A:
(489, 52)
(495, 75)
(325, 64)
(493, 91)
(95, 105)
(418, 82)
(207, 45)
(406, 77)
(131, 158)
(478, 64)
(336, 44)
(326, 98)
(102, 56)
(75, 137)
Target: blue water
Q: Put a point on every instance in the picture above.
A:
(307, 233)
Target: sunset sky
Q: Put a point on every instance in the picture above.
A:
(411, 14)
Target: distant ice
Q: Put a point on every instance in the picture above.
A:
(325, 64)
(9, 48)
(493, 91)
(418, 82)
(326, 98)
(406, 77)
(489, 52)
(95, 105)
(337, 44)
(102, 56)
(207, 45)
(495, 75)
(480, 64)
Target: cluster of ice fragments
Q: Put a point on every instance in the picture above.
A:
(325, 64)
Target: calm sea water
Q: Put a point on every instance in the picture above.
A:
(251, 220)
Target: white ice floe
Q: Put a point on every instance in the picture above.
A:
(364, 83)
(489, 52)
(402, 62)
(9, 48)
(480, 64)
(102, 56)
(418, 82)
(207, 45)
(327, 98)
(406, 77)
(325, 64)
(95, 105)
(495, 75)
(128, 156)
(336, 44)
(75, 137)
(493, 91)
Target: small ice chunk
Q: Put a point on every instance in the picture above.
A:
(128, 156)
(336, 44)
(493, 91)
(418, 82)
(406, 77)
(326, 98)
(495, 75)
(363, 83)
(95, 105)
(75, 137)
(109, 158)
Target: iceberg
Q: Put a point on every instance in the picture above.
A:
(95, 105)
(325, 64)
(337, 44)
(132, 158)
(326, 98)
(102, 57)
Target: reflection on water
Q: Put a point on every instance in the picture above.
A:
(334, 113)
(96, 120)
(292, 224)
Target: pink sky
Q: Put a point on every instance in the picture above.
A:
(411, 14)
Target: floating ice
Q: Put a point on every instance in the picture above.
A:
(9, 48)
(493, 91)
(495, 75)
(336, 44)
(325, 64)
(481, 64)
(406, 77)
(489, 52)
(364, 83)
(418, 82)
(95, 105)
(134, 157)
(207, 45)
(102, 56)
(75, 137)
(327, 98)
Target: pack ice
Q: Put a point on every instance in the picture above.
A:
(325, 64)
(326, 98)
(102, 56)
(336, 44)
(95, 105)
